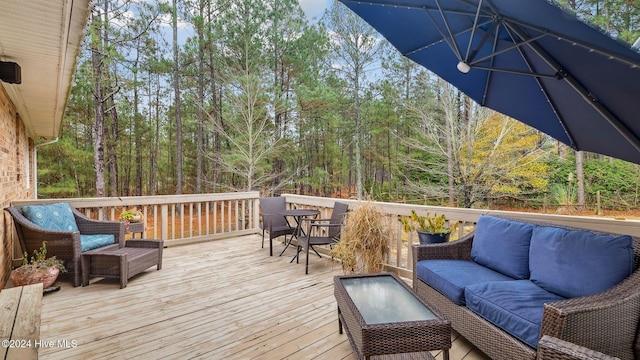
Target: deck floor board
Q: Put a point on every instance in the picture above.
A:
(220, 299)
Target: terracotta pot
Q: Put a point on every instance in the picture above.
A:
(46, 276)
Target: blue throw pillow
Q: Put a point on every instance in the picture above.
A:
(574, 263)
(502, 245)
(52, 217)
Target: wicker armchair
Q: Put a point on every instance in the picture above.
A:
(65, 245)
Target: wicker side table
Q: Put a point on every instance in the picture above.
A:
(122, 263)
(382, 315)
(135, 228)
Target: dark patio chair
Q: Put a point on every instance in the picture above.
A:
(273, 221)
(322, 232)
(66, 245)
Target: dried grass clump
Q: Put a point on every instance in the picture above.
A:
(364, 243)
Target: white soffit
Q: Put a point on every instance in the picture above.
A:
(44, 38)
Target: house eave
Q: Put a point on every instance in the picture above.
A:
(44, 38)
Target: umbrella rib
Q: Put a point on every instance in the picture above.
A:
(473, 31)
(583, 92)
(634, 63)
(444, 38)
(515, 72)
(484, 39)
(490, 74)
(452, 43)
(510, 30)
(515, 45)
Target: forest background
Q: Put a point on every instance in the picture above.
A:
(201, 96)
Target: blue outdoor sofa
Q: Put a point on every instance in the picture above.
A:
(511, 282)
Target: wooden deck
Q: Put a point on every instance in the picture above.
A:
(221, 299)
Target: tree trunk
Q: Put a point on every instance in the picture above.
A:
(176, 89)
(580, 179)
(200, 134)
(111, 149)
(214, 104)
(137, 130)
(357, 136)
(153, 168)
(98, 139)
(112, 140)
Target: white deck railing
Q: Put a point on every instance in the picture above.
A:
(400, 243)
(181, 219)
(177, 219)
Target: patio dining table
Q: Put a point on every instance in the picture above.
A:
(297, 215)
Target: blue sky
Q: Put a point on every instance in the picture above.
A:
(314, 8)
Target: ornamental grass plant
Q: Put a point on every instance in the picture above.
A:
(364, 243)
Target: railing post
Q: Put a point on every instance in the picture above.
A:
(164, 214)
(256, 213)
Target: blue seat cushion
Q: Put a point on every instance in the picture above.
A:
(52, 216)
(450, 277)
(90, 242)
(588, 263)
(514, 306)
(502, 245)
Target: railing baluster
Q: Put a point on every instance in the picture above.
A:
(237, 216)
(208, 212)
(190, 205)
(215, 217)
(229, 216)
(199, 212)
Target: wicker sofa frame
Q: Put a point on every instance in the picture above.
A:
(550, 348)
(606, 322)
(64, 245)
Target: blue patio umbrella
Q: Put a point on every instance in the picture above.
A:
(528, 59)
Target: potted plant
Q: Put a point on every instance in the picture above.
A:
(430, 229)
(131, 216)
(38, 269)
(364, 241)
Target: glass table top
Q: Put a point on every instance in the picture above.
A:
(381, 299)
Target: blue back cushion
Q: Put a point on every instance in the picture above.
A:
(52, 217)
(578, 263)
(502, 245)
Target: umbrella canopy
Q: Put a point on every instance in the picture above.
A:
(527, 59)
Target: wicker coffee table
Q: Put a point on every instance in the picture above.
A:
(121, 263)
(382, 315)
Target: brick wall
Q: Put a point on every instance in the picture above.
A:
(15, 146)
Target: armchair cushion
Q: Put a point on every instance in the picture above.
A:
(90, 242)
(52, 217)
(588, 262)
(503, 245)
